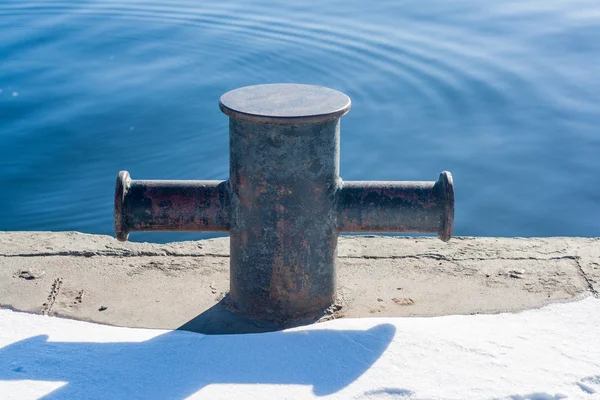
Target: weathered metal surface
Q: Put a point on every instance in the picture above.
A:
(285, 104)
(284, 231)
(398, 206)
(284, 205)
(170, 206)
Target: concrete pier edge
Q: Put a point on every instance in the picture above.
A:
(96, 278)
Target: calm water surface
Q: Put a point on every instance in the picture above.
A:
(504, 94)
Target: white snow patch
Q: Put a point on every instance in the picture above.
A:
(549, 353)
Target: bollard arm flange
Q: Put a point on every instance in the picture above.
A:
(123, 182)
(446, 194)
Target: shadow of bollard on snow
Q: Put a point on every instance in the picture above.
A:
(178, 364)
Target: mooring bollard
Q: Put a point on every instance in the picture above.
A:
(284, 205)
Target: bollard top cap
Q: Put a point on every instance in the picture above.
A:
(285, 104)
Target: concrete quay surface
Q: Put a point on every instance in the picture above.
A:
(96, 278)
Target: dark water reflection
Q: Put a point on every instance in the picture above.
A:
(504, 94)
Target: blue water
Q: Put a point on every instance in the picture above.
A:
(504, 94)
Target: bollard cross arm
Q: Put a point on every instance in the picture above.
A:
(155, 205)
(425, 207)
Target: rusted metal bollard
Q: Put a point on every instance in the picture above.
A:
(284, 205)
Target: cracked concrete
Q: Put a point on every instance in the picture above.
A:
(97, 278)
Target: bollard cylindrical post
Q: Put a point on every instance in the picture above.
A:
(284, 173)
